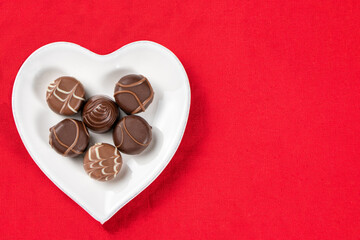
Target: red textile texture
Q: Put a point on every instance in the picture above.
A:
(272, 146)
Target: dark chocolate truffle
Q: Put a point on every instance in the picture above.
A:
(69, 137)
(65, 96)
(100, 113)
(102, 162)
(132, 135)
(133, 93)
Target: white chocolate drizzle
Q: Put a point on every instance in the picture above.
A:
(96, 163)
(54, 87)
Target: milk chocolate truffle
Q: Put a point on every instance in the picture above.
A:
(133, 93)
(100, 113)
(132, 135)
(69, 137)
(102, 162)
(65, 96)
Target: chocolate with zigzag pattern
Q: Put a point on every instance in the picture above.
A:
(102, 162)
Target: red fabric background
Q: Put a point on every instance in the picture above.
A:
(271, 150)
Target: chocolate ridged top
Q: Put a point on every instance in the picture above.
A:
(102, 162)
(133, 93)
(65, 96)
(100, 113)
(69, 137)
(132, 135)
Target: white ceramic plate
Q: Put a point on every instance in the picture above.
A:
(167, 115)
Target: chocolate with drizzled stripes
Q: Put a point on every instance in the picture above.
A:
(132, 135)
(65, 95)
(69, 137)
(133, 93)
(102, 162)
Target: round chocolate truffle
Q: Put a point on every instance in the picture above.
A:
(133, 93)
(69, 137)
(132, 135)
(102, 162)
(100, 113)
(65, 95)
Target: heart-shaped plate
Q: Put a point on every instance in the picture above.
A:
(167, 115)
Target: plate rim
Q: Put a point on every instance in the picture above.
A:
(32, 155)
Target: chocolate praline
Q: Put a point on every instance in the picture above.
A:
(100, 113)
(133, 93)
(132, 135)
(65, 96)
(69, 137)
(102, 162)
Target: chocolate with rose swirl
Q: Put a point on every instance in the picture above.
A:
(100, 113)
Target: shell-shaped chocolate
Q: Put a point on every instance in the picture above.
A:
(132, 135)
(100, 113)
(69, 137)
(65, 96)
(102, 162)
(133, 93)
